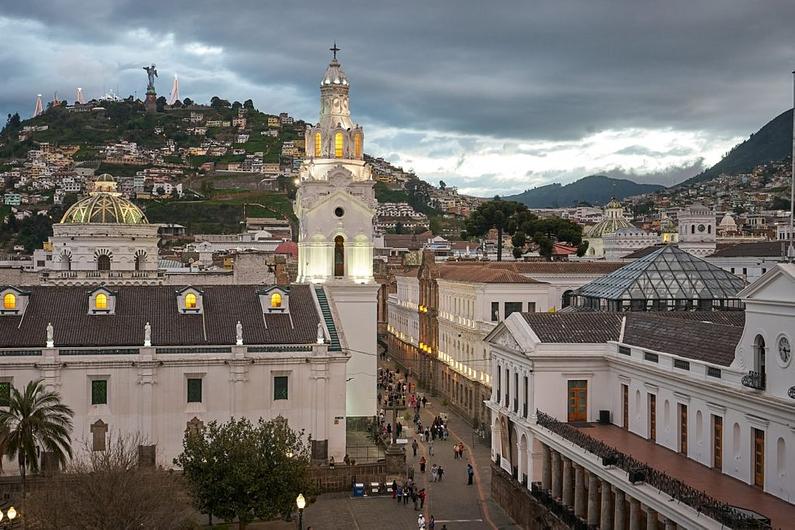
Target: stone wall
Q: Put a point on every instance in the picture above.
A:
(342, 477)
(516, 500)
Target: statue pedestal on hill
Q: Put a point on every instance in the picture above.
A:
(150, 103)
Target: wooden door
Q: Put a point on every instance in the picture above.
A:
(759, 458)
(625, 406)
(652, 417)
(683, 429)
(717, 443)
(578, 401)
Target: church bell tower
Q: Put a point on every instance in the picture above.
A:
(335, 205)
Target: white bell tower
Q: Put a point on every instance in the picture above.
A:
(697, 230)
(335, 205)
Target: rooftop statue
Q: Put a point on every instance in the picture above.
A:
(151, 71)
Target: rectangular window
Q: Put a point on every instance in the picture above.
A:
(651, 357)
(717, 442)
(512, 307)
(524, 412)
(5, 393)
(682, 365)
(516, 391)
(624, 350)
(280, 387)
(713, 372)
(495, 311)
(194, 390)
(531, 307)
(99, 392)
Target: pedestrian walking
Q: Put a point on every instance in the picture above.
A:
(399, 494)
(470, 474)
(460, 449)
(424, 401)
(421, 522)
(427, 434)
(414, 499)
(394, 488)
(422, 498)
(434, 473)
(430, 448)
(414, 446)
(440, 473)
(406, 495)
(455, 452)
(431, 523)
(422, 464)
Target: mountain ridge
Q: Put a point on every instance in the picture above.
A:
(593, 189)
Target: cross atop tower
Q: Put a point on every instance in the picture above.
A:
(334, 50)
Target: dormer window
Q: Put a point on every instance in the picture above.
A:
(190, 301)
(101, 301)
(275, 299)
(9, 301)
(13, 301)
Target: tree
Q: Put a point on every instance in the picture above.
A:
(244, 471)
(160, 104)
(236, 105)
(248, 104)
(187, 102)
(218, 103)
(36, 420)
(494, 214)
(442, 185)
(108, 490)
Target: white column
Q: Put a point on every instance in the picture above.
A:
(651, 519)
(635, 513)
(556, 475)
(606, 519)
(546, 468)
(579, 491)
(593, 500)
(619, 518)
(568, 487)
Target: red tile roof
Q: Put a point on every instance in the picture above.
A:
(481, 273)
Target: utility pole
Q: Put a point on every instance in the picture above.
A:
(791, 250)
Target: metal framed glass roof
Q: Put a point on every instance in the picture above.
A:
(668, 278)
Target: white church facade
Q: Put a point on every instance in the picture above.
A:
(154, 360)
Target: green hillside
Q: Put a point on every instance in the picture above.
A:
(594, 189)
(772, 142)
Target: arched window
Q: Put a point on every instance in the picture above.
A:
(276, 300)
(759, 354)
(709, 229)
(736, 440)
(190, 301)
(103, 263)
(9, 301)
(101, 301)
(781, 457)
(338, 144)
(357, 145)
(318, 146)
(692, 229)
(139, 261)
(339, 255)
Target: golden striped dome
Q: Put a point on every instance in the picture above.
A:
(104, 205)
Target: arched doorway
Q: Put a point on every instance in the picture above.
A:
(103, 262)
(339, 256)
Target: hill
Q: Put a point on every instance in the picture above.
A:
(772, 142)
(594, 189)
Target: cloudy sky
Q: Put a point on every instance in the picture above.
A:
(494, 97)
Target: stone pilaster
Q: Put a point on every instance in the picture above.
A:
(568, 489)
(606, 519)
(546, 468)
(635, 513)
(619, 510)
(593, 499)
(579, 492)
(556, 475)
(670, 525)
(651, 519)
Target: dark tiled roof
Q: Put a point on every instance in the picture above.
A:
(481, 273)
(591, 328)
(409, 241)
(67, 309)
(695, 339)
(551, 267)
(641, 252)
(760, 249)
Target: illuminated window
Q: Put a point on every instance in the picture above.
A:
(276, 300)
(318, 146)
(190, 301)
(357, 145)
(9, 301)
(338, 145)
(101, 301)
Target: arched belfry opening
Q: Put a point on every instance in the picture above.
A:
(103, 262)
(339, 256)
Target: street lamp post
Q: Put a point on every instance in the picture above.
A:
(300, 501)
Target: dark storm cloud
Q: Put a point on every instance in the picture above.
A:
(516, 69)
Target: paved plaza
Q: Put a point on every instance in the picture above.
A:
(452, 502)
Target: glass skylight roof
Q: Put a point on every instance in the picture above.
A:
(668, 278)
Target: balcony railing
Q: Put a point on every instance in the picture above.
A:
(755, 380)
(698, 500)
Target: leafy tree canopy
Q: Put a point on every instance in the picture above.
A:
(245, 471)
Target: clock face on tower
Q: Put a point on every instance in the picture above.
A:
(701, 228)
(784, 350)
